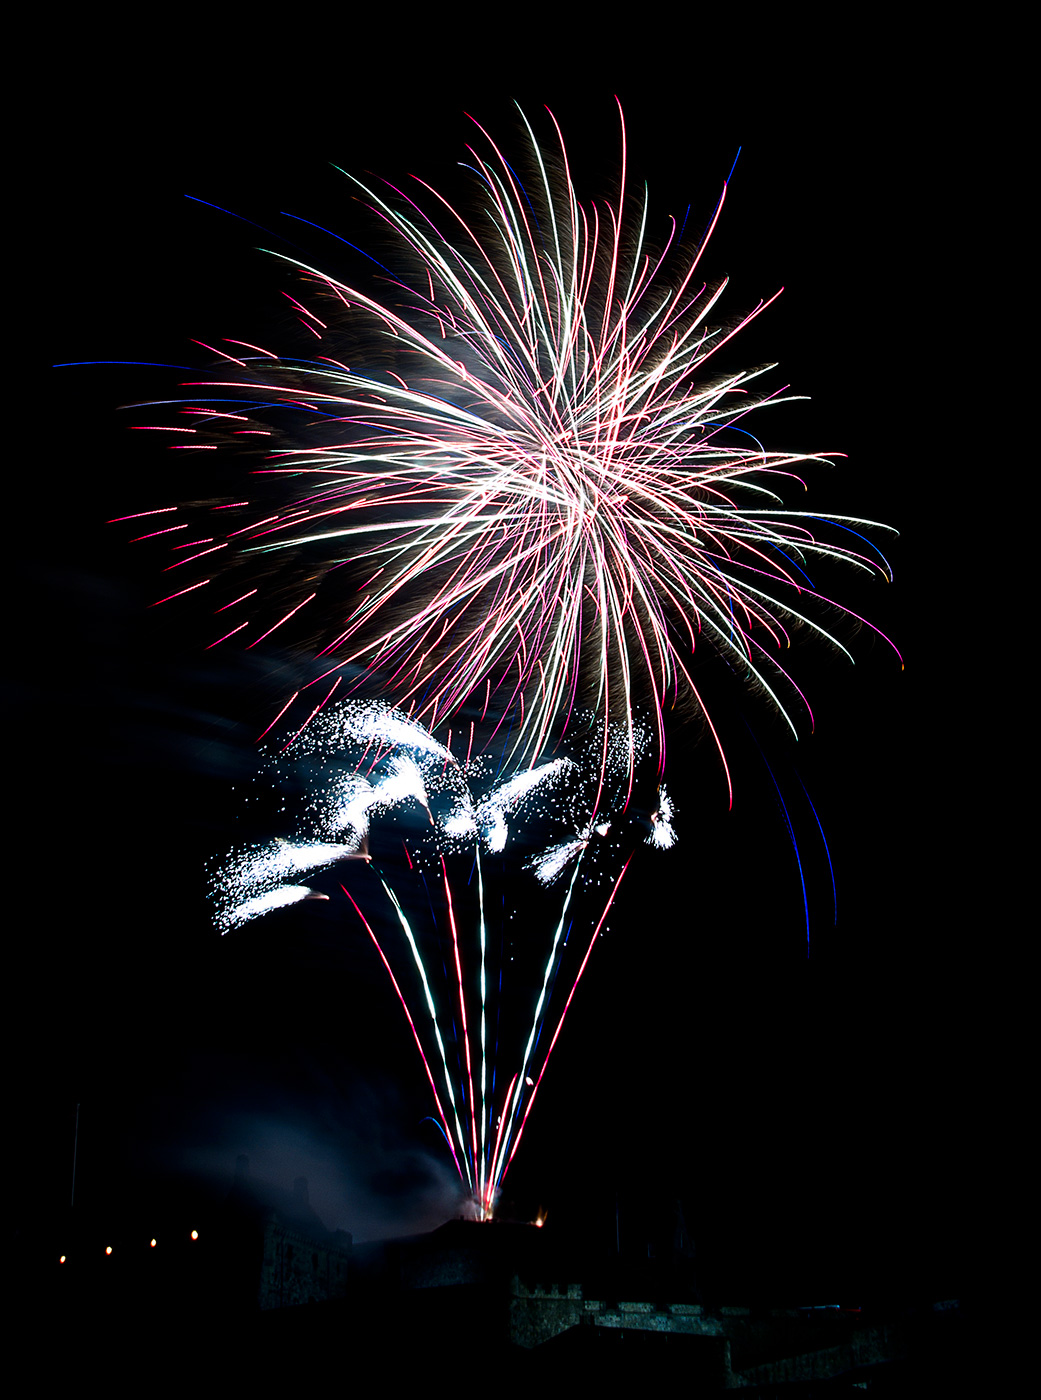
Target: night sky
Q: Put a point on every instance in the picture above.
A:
(810, 1111)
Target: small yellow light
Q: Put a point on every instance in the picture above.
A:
(62, 1259)
(195, 1234)
(108, 1249)
(152, 1243)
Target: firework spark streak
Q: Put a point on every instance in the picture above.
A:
(548, 502)
(360, 762)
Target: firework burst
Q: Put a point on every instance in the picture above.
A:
(484, 1029)
(543, 501)
(511, 489)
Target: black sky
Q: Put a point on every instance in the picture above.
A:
(811, 1112)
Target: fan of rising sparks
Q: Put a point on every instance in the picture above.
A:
(485, 999)
(541, 499)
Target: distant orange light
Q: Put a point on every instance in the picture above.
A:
(62, 1259)
(152, 1243)
(195, 1234)
(108, 1249)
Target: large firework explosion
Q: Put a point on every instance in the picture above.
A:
(512, 491)
(508, 481)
